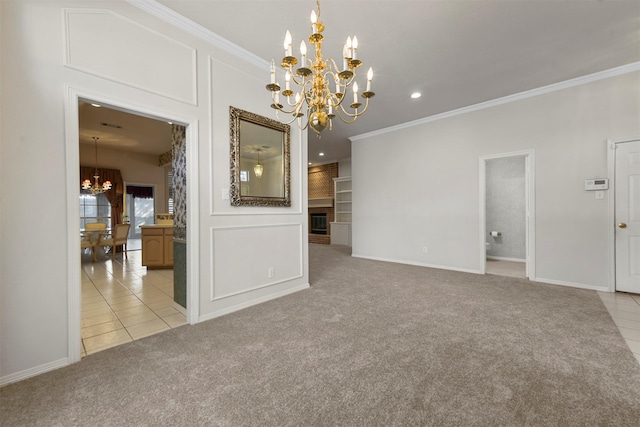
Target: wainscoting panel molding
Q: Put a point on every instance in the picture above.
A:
(105, 44)
(276, 248)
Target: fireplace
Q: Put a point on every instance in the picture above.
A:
(318, 223)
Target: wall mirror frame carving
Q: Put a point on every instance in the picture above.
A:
(258, 139)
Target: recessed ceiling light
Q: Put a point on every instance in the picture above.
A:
(320, 154)
(416, 95)
(170, 123)
(97, 105)
(309, 163)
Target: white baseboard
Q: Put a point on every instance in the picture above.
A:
(250, 303)
(32, 372)
(466, 270)
(571, 284)
(419, 264)
(502, 258)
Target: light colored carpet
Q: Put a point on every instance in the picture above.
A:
(370, 344)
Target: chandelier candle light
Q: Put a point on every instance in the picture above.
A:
(96, 188)
(313, 78)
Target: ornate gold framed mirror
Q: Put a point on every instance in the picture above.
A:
(260, 160)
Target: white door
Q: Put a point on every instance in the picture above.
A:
(627, 216)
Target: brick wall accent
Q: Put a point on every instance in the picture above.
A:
(321, 180)
(321, 186)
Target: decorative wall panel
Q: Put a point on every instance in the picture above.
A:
(108, 45)
(274, 252)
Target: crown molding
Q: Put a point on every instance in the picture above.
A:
(172, 17)
(634, 66)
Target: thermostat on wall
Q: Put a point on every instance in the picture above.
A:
(596, 184)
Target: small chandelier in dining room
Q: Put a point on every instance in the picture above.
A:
(314, 78)
(258, 168)
(96, 188)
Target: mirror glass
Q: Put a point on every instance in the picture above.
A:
(260, 173)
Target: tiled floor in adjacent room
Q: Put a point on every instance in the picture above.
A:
(122, 301)
(506, 268)
(624, 309)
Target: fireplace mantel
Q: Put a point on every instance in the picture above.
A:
(322, 202)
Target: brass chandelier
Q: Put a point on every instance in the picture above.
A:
(96, 188)
(314, 78)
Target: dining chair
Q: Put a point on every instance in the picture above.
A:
(117, 236)
(87, 241)
(95, 226)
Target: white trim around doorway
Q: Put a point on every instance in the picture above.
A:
(72, 155)
(530, 233)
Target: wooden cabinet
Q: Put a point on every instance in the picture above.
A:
(341, 227)
(157, 246)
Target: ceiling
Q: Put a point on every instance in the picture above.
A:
(121, 130)
(457, 53)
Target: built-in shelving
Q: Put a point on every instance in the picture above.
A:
(341, 227)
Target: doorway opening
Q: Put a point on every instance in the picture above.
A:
(506, 189)
(119, 299)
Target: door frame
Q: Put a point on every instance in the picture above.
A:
(530, 239)
(72, 156)
(611, 216)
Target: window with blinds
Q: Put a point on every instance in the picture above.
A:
(170, 190)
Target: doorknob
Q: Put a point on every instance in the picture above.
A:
(622, 225)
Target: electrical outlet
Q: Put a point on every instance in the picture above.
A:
(272, 272)
(425, 249)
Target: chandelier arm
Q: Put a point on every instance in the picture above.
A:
(306, 124)
(295, 80)
(336, 79)
(336, 71)
(295, 104)
(337, 101)
(352, 115)
(285, 122)
(278, 107)
(282, 110)
(342, 119)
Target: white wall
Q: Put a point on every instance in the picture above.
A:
(344, 167)
(427, 192)
(123, 56)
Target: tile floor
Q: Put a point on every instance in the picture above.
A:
(624, 309)
(122, 301)
(506, 268)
